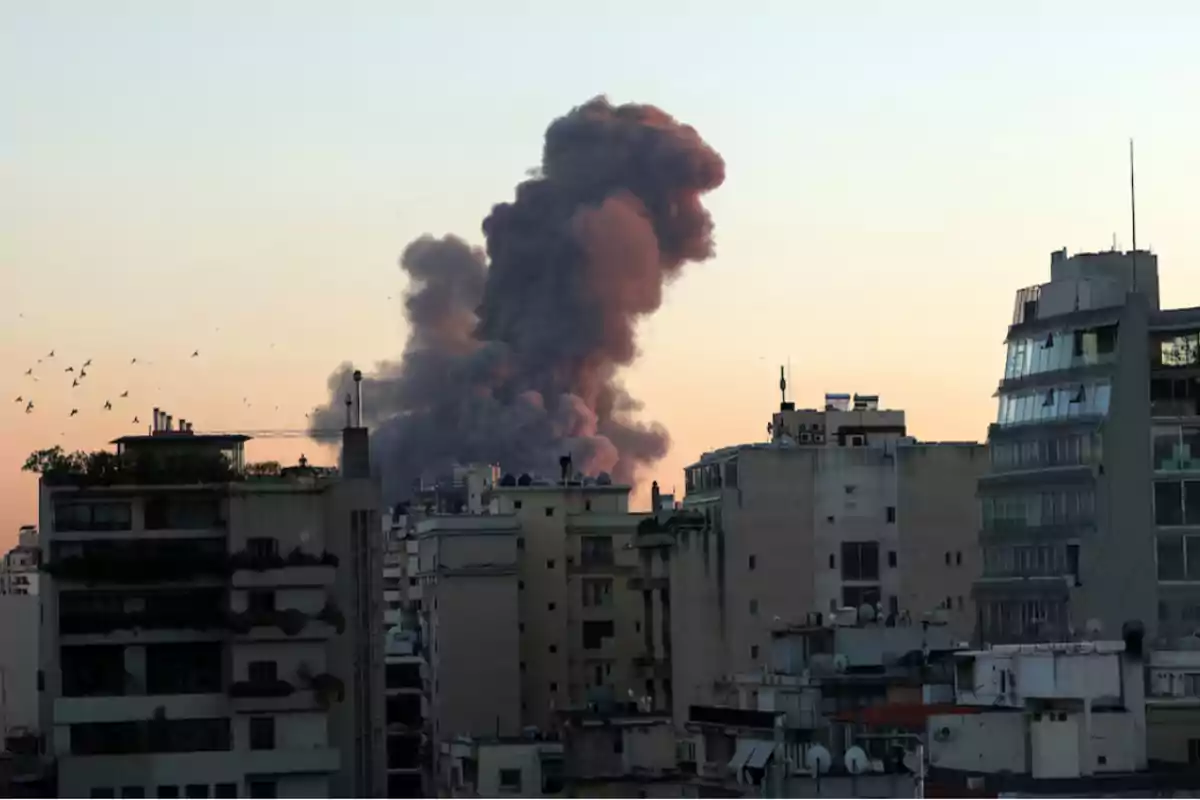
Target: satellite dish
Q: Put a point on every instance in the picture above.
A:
(856, 761)
(866, 613)
(840, 663)
(818, 760)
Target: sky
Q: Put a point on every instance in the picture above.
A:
(239, 177)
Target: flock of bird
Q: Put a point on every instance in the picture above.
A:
(77, 377)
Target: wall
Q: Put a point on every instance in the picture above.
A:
(989, 742)
(493, 757)
(1169, 729)
(592, 750)
(938, 514)
(19, 656)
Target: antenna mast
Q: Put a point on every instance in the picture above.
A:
(1133, 213)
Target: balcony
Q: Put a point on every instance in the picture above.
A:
(132, 708)
(288, 623)
(252, 697)
(132, 564)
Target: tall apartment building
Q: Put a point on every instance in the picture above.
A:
(404, 685)
(209, 630)
(529, 608)
(1091, 507)
(841, 509)
(19, 569)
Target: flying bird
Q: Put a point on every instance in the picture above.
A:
(107, 405)
(50, 354)
(29, 371)
(29, 407)
(82, 374)
(74, 383)
(125, 393)
(19, 399)
(135, 420)
(87, 363)
(69, 369)
(74, 411)
(195, 353)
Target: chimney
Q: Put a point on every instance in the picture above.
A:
(182, 424)
(356, 453)
(358, 423)
(167, 422)
(655, 498)
(157, 415)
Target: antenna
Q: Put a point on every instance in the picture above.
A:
(1133, 212)
(782, 388)
(358, 391)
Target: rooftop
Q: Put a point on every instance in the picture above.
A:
(176, 437)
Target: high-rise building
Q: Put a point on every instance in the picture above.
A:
(839, 511)
(1092, 497)
(212, 629)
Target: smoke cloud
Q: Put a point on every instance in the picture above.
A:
(512, 356)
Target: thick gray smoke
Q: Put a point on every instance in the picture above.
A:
(512, 359)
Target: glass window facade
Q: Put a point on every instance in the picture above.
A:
(1176, 503)
(1176, 448)
(1181, 350)
(1058, 350)
(1065, 401)
(1060, 451)
(1178, 557)
(1036, 509)
(1003, 561)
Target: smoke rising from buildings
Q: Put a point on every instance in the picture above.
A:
(512, 356)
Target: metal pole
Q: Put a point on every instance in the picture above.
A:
(920, 769)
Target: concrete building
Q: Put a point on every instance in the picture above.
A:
(19, 628)
(1055, 718)
(1090, 504)
(841, 509)
(208, 629)
(544, 580)
(19, 569)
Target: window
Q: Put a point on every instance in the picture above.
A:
(832, 561)
(751, 563)
(522, 667)
(551, 606)
(167, 791)
(262, 789)
(860, 561)
(891, 514)
(260, 600)
(225, 790)
(754, 651)
(520, 585)
(596, 551)
(960, 602)
(893, 605)
(549, 563)
(947, 558)
(510, 780)
(262, 733)
(892, 559)
(196, 790)
(850, 488)
(553, 648)
(261, 672)
(597, 592)
(595, 632)
(549, 511)
(520, 542)
(754, 607)
(857, 596)
(262, 546)
(517, 505)
(553, 686)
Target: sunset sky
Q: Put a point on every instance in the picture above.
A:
(240, 176)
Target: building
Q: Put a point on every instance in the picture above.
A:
(408, 762)
(840, 510)
(1087, 505)
(1050, 719)
(19, 628)
(211, 628)
(19, 569)
(544, 579)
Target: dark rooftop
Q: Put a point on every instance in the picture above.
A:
(190, 438)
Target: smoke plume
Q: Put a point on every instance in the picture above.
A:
(512, 358)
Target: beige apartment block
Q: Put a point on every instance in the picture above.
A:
(548, 576)
(841, 509)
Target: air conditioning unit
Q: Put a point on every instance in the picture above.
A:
(819, 438)
(805, 438)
